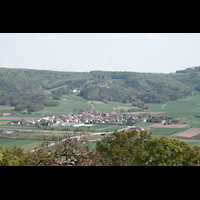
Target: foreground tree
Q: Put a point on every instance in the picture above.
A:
(16, 156)
(134, 148)
(123, 147)
(168, 152)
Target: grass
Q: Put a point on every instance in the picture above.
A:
(67, 106)
(144, 124)
(26, 144)
(75, 101)
(92, 145)
(167, 131)
(25, 127)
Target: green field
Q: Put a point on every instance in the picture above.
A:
(193, 144)
(184, 109)
(167, 131)
(24, 127)
(74, 101)
(144, 124)
(26, 144)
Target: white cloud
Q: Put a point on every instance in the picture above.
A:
(47, 37)
(151, 36)
(114, 35)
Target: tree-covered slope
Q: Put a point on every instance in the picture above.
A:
(25, 86)
(130, 86)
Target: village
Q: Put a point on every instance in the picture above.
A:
(89, 118)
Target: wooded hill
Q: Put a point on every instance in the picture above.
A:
(23, 87)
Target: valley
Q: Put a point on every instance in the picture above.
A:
(141, 95)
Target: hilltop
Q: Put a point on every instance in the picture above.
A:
(26, 88)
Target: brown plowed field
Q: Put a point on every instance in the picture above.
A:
(189, 133)
(3, 122)
(160, 125)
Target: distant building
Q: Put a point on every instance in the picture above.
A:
(74, 91)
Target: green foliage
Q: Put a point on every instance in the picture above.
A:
(166, 152)
(19, 86)
(123, 147)
(34, 107)
(132, 148)
(52, 103)
(138, 87)
(16, 156)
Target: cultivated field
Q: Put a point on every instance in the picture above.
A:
(95, 102)
(15, 118)
(3, 122)
(189, 133)
(152, 113)
(167, 131)
(7, 108)
(169, 126)
(127, 108)
(26, 144)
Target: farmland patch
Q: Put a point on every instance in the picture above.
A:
(167, 131)
(127, 108)
(137, 113)
(7, 143)
(189, 133)
(169, 126)
(8, 108)
(95, 102)
(15, 118)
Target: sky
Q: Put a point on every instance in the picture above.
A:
(83, 52)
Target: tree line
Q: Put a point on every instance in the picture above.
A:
(121, 148)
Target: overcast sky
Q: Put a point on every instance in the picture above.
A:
(137, 52)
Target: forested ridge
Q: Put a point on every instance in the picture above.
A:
(23, 87)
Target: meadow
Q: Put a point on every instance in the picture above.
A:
(184, 109)
(26, 144)
(74, 101)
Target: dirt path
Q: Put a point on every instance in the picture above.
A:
(163, 105)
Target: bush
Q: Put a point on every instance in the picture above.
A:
(35, 107)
